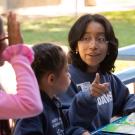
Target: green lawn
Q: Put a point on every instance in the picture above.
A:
(47, 30)
(124, 26)
(56, 30)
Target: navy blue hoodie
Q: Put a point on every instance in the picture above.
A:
(52, 121)
(117, 101)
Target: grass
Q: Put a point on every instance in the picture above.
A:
(47, 29)
(124, 26)
(56, 30)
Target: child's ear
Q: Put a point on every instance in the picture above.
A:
(51, 79)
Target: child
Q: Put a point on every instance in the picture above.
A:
(51, 69)
(27, 101)
(93, 51)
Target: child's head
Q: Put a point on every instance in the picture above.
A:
(51, 68)
(93, 45)
(3, 43)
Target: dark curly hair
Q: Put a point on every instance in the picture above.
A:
(48, 58)
(77, 31)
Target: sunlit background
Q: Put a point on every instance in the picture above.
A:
(50, 21)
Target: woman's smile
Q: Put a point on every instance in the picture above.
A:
(93, 55)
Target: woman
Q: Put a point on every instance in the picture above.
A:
(93, 51)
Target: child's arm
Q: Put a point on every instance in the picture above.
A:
(76, 130)
(27, 101)
(30, 126)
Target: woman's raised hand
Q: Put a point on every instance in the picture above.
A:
(97, 89)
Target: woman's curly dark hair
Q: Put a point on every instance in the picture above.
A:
(78, 30)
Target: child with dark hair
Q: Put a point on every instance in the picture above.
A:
(93, 51)
(51, 69)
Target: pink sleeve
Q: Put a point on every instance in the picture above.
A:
(27, 101)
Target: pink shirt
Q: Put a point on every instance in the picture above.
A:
(26, 102)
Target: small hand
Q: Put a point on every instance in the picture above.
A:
(97, 89)
(86, 133)
(14, 32)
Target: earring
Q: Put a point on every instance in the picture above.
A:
(76, 52)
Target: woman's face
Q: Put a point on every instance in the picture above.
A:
(93, 47)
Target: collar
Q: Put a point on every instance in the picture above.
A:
(54, 101)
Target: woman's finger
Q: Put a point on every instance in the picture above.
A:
(101, 88)
(97, 78)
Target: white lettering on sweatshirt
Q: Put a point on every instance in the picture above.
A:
(105, 98)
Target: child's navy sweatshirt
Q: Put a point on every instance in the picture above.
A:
(52, 121)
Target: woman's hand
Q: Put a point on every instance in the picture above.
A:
(97, 89)
(13, 28)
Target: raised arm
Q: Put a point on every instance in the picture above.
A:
(27, 101)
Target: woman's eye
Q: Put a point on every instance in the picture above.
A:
(86, 39)
(101, 39)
